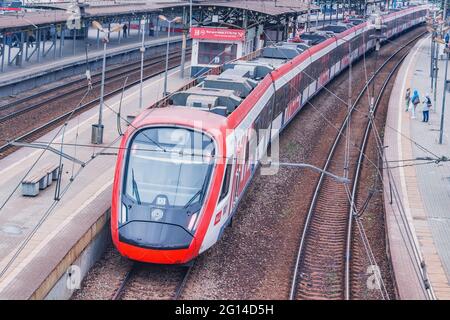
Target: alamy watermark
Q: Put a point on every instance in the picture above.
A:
(73, 277)
(248, 146)
(374, 279)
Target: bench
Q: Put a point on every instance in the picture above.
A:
(39, 180)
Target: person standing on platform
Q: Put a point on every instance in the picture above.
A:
(125, 29)
(407, 98)
(426, 106)
(415, 100)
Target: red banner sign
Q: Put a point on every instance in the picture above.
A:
(9, 9)
(217, 34)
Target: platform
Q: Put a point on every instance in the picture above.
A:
(50, 228)
(33, 69)
(417, 195)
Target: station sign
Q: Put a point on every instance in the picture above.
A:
(217, 34)
(10, 9)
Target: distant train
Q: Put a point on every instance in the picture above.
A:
(182, 170)
(10, 6)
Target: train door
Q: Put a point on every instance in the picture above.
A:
(235, 178)
(224, 207)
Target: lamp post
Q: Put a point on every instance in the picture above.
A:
(190, 14)
(142, 63)
(97, 129)
(444, 94)
(308, 17)
(176, 19)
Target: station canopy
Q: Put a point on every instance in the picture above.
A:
(226, 11)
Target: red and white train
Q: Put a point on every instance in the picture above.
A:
(181, 170)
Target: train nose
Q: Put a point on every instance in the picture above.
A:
(157, 255)
(155, 235)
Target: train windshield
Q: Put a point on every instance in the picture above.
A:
(169, 167)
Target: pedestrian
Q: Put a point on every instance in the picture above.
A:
(125, 28)
(426, 106)
(408, 98)
(415, 102)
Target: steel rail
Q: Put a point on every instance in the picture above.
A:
(177, 292)
(357, 174)
(309, 217)
(80, 108)
(118, 294)
(180, 288)
(113, 78)
(74, 81)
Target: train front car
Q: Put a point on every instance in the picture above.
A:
(163, 197)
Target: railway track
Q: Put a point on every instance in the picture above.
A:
(153, 282)
(73, 86)
(323, 265)
(73, 90)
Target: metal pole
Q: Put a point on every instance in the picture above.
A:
(441, 131)
(183, 55)
(167, 60)
(102, 90)
(54, 41)
(331, 12)
(27, 41)
(20, 55)
(445, 11)
(97, 129)
(38, 45)
(74, 40)
(436, 71)
(61, 39)
(3, 53)
(190, 14)
(142, 62)
(43, 43)
(308, 16)
(432, 61)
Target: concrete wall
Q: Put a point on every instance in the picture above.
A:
(69, 281)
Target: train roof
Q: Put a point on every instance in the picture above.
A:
(181, 116)
(335, 28)
(222, 94)
(218, 96)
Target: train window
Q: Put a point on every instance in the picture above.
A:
(226, 181)
(172, 162)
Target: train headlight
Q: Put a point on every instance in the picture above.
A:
(192, 225)
(123, 214)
